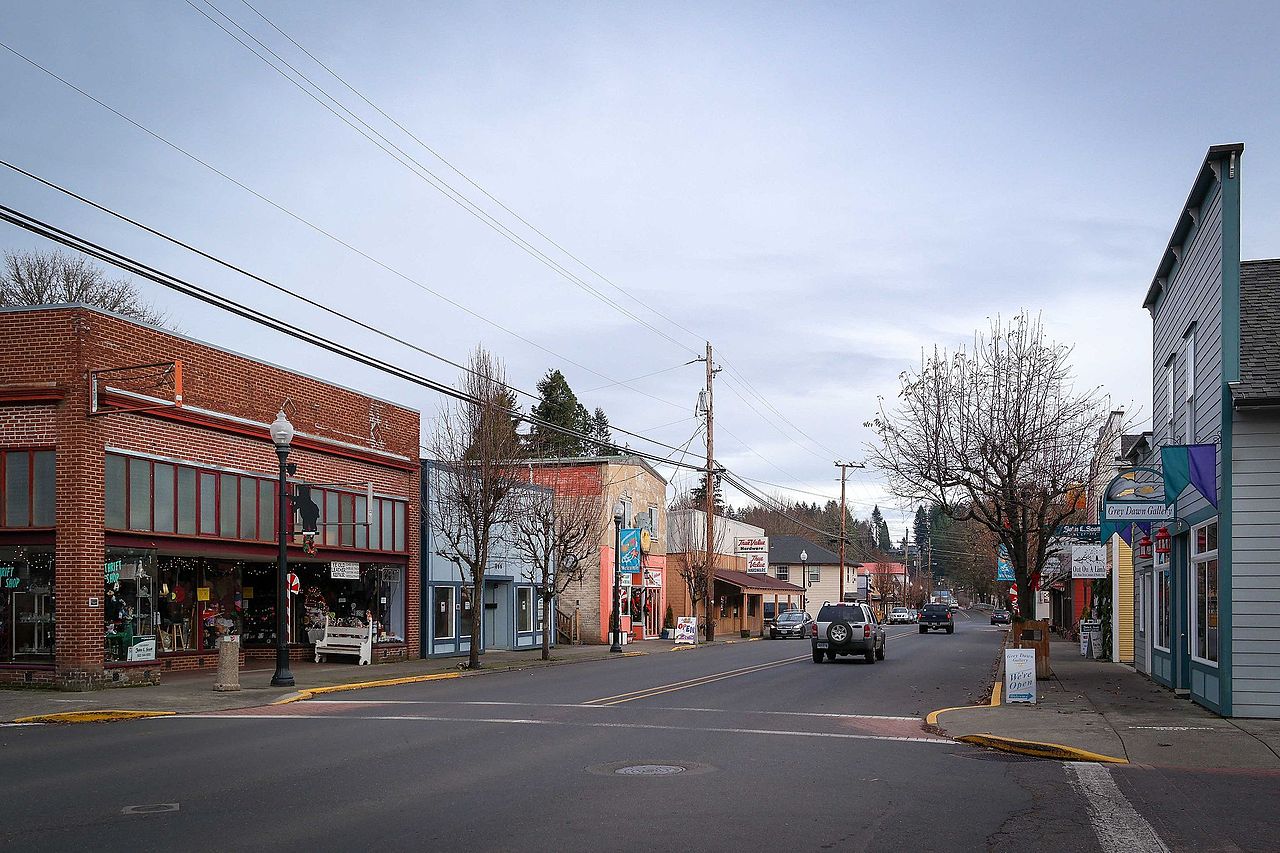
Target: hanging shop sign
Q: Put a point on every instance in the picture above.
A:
(1080, 532)
(1137, 511)
(751, 545)
(631, 556)
(344, 571)
(1004, 569)
(757, 564)
(1089, 561)
(1020, 675)
(687, 630)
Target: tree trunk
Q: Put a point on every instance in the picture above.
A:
(477, 616)
(546, 628)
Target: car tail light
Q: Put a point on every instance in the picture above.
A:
(866, 632)
(813, 629)
(948, 615)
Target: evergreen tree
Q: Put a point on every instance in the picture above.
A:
(557, 405)
(880, 530)
(698, 495)
(920, 530)
(602, 434)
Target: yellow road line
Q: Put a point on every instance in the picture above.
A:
(694, 682)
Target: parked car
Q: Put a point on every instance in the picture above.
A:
(1000, 617)
(901, 615)
(791, 623)
(847, 628)
(936, 617)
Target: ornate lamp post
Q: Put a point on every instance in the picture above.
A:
(615, 624)
(282, 436)
(804, 580)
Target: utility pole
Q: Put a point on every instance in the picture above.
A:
(710, 495)
(844, 474)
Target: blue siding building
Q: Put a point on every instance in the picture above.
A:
(1208, 611)
(509, 610)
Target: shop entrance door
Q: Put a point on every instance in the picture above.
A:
(652, 614)
(497, 625)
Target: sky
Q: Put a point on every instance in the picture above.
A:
(823, 191)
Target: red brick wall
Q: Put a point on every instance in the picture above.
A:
(61, 346)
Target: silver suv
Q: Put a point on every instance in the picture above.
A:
(847, 628)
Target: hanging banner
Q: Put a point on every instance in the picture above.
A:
(1089, 561)
(1190, 465)
(631, 558)
(1004, 569)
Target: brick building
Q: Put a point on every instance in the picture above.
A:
(643, 493)
(131, 540)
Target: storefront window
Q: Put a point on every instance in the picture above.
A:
(524, 608)
(129, 604)
(26, 604)
(1164, 610)
(351, 595)
(443, 613)
(1204, 578)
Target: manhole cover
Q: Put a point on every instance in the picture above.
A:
(150, 808)
(649, 770)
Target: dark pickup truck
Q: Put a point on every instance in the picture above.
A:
(934, 617)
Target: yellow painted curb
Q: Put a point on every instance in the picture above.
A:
(633, 654)
(361, 685)
(932, 717)
(681, 648)
(1040, 749)
(995, 693)
(103, 716)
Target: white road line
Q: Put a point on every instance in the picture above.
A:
(1119, 827)
(527, 722)
(607, 707)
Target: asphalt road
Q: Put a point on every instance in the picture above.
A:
(775, 751)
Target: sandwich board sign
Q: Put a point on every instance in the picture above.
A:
(1019, 675)
(687, 630)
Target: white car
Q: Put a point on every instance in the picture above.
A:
(899, 615)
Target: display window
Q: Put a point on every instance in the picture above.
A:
(466, 613)
(524, 609)
(129, 604)
(1204, 583)
(350, 595)
(26, 604)
(442, 627)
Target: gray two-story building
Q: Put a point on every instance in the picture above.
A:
(1207, 597)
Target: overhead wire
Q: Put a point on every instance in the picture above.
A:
(131, 265)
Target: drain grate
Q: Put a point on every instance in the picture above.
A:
(650, 770)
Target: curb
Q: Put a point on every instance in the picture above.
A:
(1038, 749)
(361, 685)
(103, 716)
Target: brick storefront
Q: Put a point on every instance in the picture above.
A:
(164, 518)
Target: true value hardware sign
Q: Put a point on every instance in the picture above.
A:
(756, 551)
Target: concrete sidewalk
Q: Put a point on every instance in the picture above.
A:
(189, 692)
(1099, 710)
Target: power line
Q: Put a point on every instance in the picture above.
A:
(316, 228)
(130, 265)
(421, 171)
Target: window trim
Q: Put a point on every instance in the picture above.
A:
(1189, 357)
(525, 591)
(782, 572)
(435, 616)
(1158, 600)
(1197, 559)
(1170, 397)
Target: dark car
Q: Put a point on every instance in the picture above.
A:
(936, 617)
(1000, 617)
(847, 628)
(791, 623)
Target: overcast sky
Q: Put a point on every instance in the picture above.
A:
(821, 190)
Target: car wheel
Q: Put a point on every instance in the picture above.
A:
(817, 655)
(950, 630)
(871, 655)
(924, 629)
(880, 652)
(839, 632)
(773, 635)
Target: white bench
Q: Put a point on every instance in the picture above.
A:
(346, 641)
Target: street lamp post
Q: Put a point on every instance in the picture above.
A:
(804, 580)
(615, 623)
(282, 436)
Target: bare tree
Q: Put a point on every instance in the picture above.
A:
(476, 479)
(558, 534)
(885, 582)
(697, 564)
(998, 435)
(52, 278)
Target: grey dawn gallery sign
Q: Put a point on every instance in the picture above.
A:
(1138, 511)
